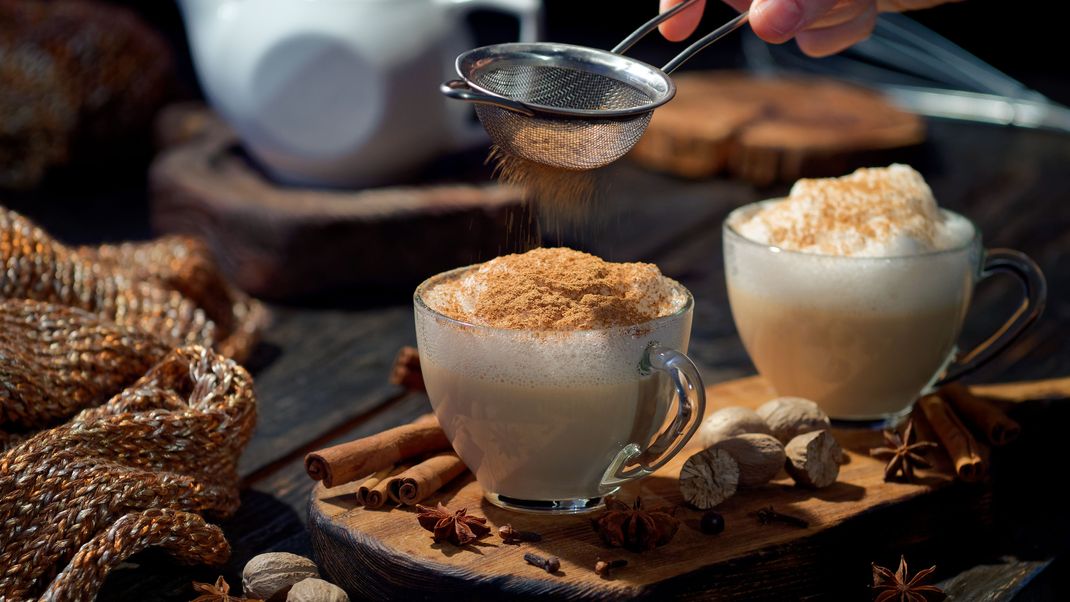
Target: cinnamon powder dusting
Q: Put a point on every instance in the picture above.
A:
(556, 289)
(873, 212)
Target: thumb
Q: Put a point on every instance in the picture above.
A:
(778, 21)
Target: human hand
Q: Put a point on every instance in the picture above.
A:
(820, 27)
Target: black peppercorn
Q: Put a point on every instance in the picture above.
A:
(712, 523)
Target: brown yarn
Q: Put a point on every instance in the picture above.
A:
(185, 535)
(56, 360)
(168, 287)
(70, 496)
(115, 341)
(186, 265)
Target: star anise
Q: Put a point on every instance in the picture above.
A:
(903, 456)
(634, 528)
(217, 592)
(901, 587)
(455, 527)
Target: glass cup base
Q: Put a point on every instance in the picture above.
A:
(881, 422)
(547, 507)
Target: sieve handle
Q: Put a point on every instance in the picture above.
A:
(691, 50)
(708, 39)
(649, 26)
(460, 90)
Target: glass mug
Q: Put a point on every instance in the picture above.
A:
(864, 337)
(553, 421)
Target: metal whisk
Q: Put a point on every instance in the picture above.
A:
(569, 106)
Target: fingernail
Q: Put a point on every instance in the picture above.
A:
(782, 17)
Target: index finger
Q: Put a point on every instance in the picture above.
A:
(684, 24)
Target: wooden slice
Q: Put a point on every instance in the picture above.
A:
(773, 130)
(278, 241)
(384, 554)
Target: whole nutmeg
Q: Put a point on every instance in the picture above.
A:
(273, 574)
(709, 478)
(814, 459)
(760, 457)
(316, 590)
(729, 422)
(790, 417)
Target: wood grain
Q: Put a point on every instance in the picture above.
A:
(383, 553)
(320, 370)
(768, 130)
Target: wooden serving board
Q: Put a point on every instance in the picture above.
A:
(284, 242)
(384, 554)
(768, 130)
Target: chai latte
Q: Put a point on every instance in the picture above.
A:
(851, 291)
(532, 365)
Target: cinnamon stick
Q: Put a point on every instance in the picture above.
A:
(406, 371)
(965, 451)
(982, 414)
(348, 461)
(417, 483)
(371, 482)
(378, 495)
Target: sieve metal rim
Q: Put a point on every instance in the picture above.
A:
(648, 78)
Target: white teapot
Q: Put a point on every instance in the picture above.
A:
(339, 92)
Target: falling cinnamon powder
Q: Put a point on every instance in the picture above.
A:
(557, 289)
(563, 196)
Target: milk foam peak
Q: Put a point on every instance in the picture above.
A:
(873, 212)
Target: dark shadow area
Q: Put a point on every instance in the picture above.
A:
(840, 492)
(1028, 499)
(263, 355)
(261, 524)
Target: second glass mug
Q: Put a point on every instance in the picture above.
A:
(864, 337)
(553, 421)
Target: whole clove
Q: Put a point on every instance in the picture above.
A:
(550, 564)
(606, 567)
(511, 535)
(768, 515)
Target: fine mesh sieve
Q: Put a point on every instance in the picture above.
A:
(568, 106)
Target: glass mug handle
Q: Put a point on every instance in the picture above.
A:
(1019, 265)
(691, 407)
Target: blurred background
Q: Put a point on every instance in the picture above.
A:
(1023, 44)
(150, 42)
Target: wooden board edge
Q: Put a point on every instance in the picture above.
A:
(354, 561)
(347, 557)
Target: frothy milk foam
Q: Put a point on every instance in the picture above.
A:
(874, 212)
(856, 308)
(540, 414)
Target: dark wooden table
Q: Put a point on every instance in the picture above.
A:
(321, 372)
